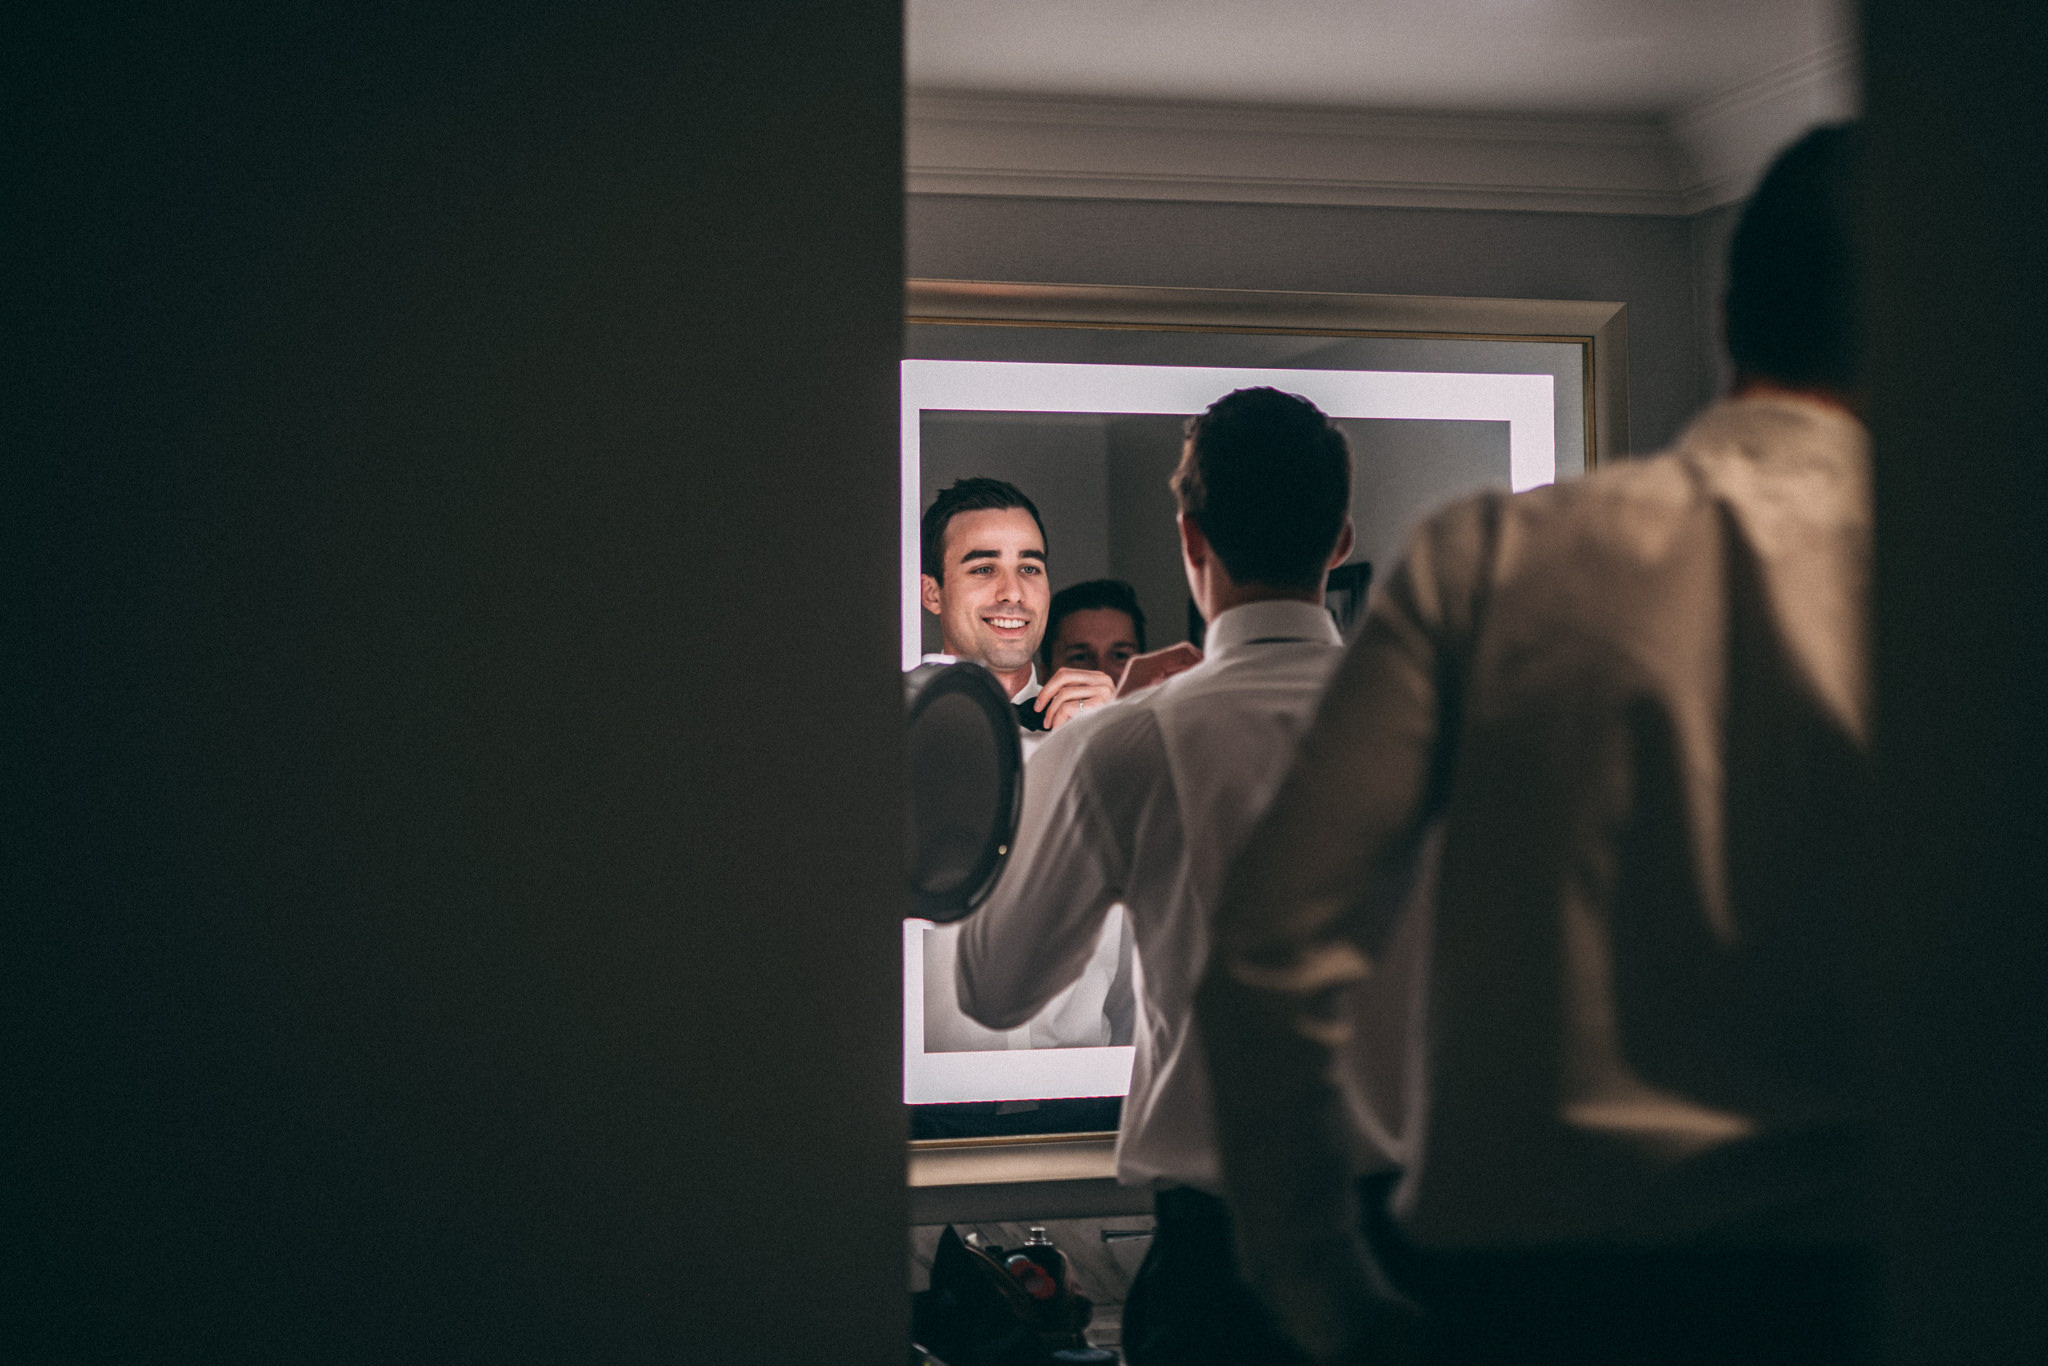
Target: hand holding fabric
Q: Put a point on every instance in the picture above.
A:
(1157, 666)
(1067, 692)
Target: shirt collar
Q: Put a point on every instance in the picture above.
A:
(1023, 694)
(1264, 623)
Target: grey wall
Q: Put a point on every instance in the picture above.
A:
(1144, 547)
(1647, 263)
(452, 841)
(1711, 233)
(1405, 470)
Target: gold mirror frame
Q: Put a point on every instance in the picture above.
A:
(1600, 328)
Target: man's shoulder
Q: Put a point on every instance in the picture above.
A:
(1563, 548)
(1670, 482)
(1134, 725)
(1495, 531)
(1660, 477)
(1286, 678)
(1106, 736)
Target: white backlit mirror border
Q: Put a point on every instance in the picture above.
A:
(1526, 402)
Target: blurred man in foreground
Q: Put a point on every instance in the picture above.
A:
(1617, 731)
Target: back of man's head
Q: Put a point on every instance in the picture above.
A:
(967, 495)
(1794, 307)
(1267, 478)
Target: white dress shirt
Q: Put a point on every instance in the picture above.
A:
(1085, 1015)
(1143, 803)
(1630, 715)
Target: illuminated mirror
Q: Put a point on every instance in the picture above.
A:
(1077, 395)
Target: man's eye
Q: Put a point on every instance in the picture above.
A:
(1032, 569)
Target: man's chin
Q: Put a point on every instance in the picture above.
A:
(1007, 658)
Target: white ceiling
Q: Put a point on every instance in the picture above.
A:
(1639, 57)
(1582, 106)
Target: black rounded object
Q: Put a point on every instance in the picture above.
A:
(965, 767)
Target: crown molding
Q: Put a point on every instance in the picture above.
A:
(1728, 138)
(1705, 154)
(1114, 149)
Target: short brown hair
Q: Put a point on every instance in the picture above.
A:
(1267, 478)
(1794, 302)
(969, 495)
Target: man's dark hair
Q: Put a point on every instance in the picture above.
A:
(969, 495)
(1267, 478)
(1793, 301)
(1081, 597)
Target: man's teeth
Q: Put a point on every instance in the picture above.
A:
(1007, 623)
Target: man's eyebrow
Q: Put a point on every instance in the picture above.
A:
(997, 555)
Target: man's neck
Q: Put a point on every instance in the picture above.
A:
(1224, 596)
(1762, 386)
(1015, 681)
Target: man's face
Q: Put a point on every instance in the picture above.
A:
(1099, 638)
(991, 605)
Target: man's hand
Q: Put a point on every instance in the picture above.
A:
(1144, 670)
(1070, 690)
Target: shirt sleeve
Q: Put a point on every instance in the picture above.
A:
(1307, 907)
(1039, 928)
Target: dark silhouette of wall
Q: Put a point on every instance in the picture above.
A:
(450, 675)
(1958, 237)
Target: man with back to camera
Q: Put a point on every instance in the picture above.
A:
(1631, 716)
(1142, 804)
(984, 577)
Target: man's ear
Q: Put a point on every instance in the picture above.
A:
(928, 593)
(1347, 541)
(1193, 544)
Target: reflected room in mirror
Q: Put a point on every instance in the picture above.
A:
(1078, 396)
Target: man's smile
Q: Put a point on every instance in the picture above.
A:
(1008, 623)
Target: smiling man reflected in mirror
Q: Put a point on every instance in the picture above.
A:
(984, 578)
(984, 562)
